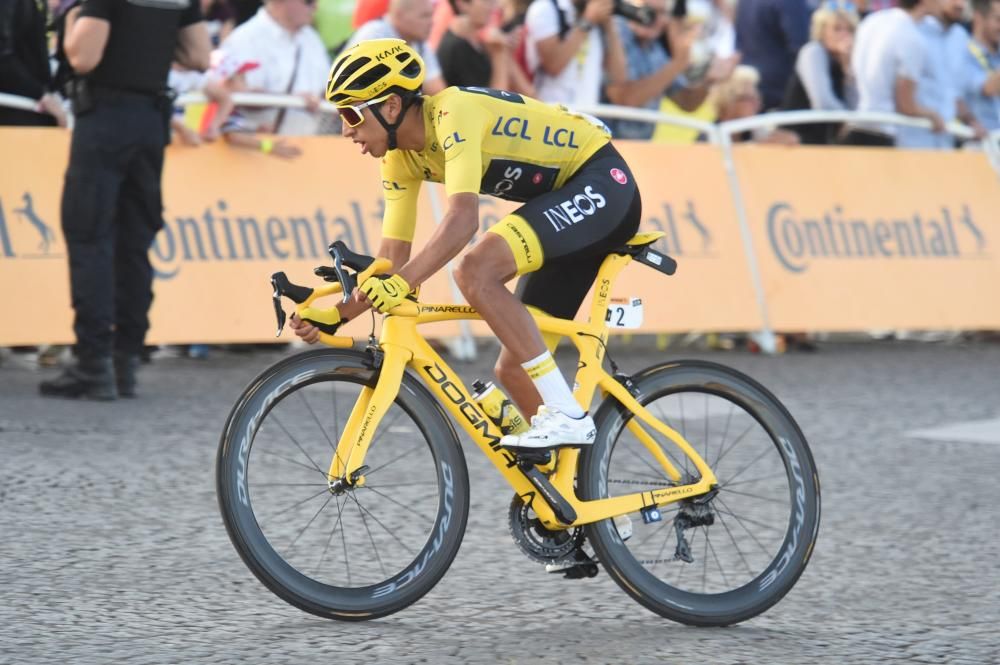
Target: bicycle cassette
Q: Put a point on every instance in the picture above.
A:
(537, 542)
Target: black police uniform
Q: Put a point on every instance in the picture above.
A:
(111, 203)
(24, 58)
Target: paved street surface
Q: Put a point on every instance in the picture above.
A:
(112, 548)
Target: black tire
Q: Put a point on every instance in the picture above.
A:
(407, 520)
(784, 503)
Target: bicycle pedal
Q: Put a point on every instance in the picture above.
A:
(576, 567)
(534, 457)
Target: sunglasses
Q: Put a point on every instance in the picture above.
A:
(352, 115)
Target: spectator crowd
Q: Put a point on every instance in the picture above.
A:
(712, 59)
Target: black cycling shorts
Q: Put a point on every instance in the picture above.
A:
(560, 239)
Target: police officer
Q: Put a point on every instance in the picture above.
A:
(120, 52)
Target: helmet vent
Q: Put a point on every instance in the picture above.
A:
(412, 70)
(348, 72)
(369, 78)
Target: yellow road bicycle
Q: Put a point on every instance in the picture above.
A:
(344, 488)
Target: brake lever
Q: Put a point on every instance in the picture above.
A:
(347, 281)
(283, 287)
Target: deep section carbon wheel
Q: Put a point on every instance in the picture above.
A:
(338, 549)
(725, 556)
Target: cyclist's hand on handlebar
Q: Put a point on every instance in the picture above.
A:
(384, 291)
(306, 331)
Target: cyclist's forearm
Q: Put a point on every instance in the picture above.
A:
(397, 251)
(449, 238)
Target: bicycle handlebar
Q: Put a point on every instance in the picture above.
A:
(343, 282)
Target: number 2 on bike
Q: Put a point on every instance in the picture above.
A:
(341, 476)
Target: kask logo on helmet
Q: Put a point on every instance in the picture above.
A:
(388, 52)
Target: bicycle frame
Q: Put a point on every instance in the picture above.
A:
(404, 347)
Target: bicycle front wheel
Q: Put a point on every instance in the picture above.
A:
(729, 555)
(349, 553)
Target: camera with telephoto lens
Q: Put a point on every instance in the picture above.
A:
(638, 13)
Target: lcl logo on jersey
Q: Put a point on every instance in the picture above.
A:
(575, 210)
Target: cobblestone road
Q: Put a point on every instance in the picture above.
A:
(112, 548)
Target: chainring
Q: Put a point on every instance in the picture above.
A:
(537, 542)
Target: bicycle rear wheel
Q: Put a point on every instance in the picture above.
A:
(343, 553)
(729, 555)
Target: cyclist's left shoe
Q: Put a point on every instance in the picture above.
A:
(551, 428)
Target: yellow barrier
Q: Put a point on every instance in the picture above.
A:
(850, 239)
(233, 217)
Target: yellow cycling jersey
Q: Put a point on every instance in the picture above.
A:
(491, 142)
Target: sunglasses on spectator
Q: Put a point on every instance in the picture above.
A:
(840, 6)
(352, 115)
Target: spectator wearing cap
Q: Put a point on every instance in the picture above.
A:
(888, 60)
(292, 61)
(409, 20)
(822, 79)
(652, 73)
(981, 65)
(769, 34)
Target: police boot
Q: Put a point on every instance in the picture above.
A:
(126, 366)
(90, 378)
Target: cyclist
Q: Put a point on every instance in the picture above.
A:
(580, 201)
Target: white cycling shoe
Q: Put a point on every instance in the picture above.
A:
(551, 428)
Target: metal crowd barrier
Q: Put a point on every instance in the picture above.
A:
(719, 134)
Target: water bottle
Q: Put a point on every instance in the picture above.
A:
(498, 408)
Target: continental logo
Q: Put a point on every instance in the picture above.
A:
(218, 235)
(29, 235)
(798, 241)
(685, 230)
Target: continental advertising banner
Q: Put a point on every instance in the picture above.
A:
(851, 238)
(233, 217)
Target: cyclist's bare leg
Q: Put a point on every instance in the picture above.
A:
(482, 275)
(517, 383)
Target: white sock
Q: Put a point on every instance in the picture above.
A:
(551, 385)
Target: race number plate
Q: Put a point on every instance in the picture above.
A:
(624, 313)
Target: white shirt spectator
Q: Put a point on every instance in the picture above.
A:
(381, 29)
(580, 82)
(888, 45)
(939, 85)
(261, 39)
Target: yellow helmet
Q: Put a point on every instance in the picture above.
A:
(373, 68)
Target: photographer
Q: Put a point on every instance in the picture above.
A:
(120, 53)
(566, 50)
(653, 74)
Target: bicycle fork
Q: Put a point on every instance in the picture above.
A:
(347, 465)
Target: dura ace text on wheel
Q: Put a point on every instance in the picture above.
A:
(336, 549)
(728, 555)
